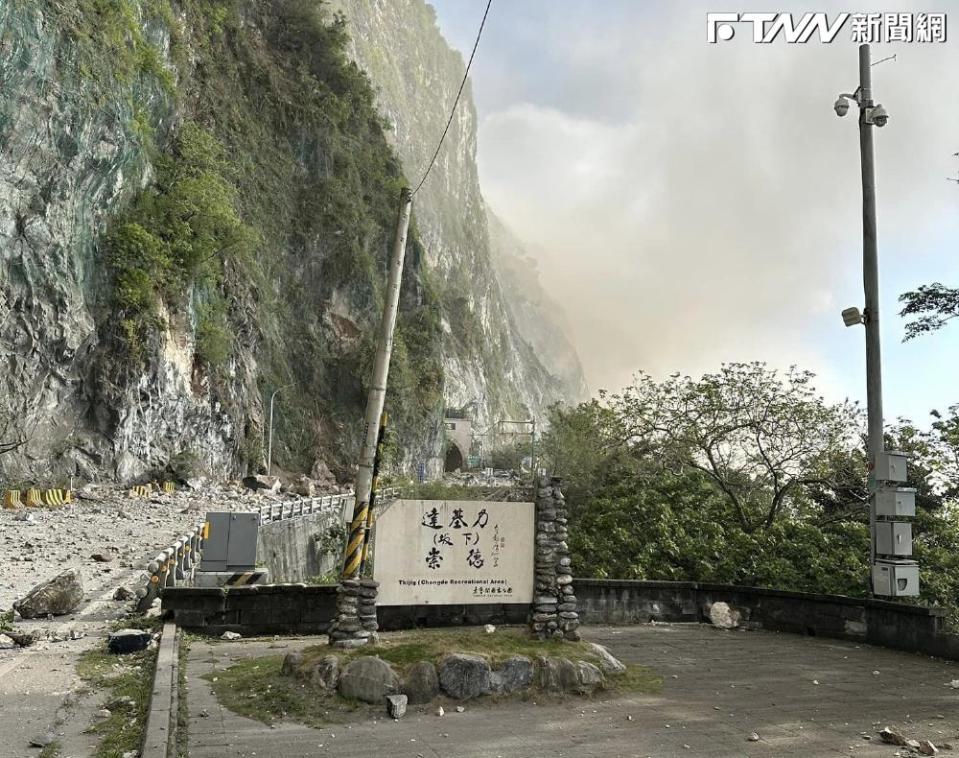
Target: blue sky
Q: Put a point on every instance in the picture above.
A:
(691, 204)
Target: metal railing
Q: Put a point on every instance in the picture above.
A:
(173, 566)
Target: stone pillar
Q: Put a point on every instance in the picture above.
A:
(554, 604)
(355, 622)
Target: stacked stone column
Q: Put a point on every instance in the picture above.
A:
(355, 622)
(554, 604)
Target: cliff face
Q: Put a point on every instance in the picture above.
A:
(506, 350)
(197, 200)
(67, 161)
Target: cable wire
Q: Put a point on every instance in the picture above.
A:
(479, 34)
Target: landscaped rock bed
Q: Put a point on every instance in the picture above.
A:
(424, 669)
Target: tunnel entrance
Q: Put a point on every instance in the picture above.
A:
(454, 458)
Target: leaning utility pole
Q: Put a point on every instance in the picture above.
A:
(353, 557)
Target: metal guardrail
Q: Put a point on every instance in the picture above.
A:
(173, 566)
(302, 507)
(176, 565)
(306, 506)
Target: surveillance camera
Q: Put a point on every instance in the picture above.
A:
(878, 116)
(841, 106)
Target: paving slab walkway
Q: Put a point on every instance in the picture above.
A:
(719, 686)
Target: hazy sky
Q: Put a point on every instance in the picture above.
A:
(692, 204)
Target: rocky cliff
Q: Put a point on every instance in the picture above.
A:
(508, 351)
(196, 203)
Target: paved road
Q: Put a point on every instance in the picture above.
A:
(719, 687)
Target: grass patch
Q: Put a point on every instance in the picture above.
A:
(121, 679)
(51, 751)
(255, 688)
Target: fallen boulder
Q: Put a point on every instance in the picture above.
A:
(303, 486)
(58, 596)
(262, 482)
(892, 737)
(123, 594)
(723, 617)
(396, 706)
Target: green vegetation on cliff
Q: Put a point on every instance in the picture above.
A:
(267, 225)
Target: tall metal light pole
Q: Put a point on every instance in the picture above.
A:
(870, 258)
(269, 444)
(870, 115)
(353, 556)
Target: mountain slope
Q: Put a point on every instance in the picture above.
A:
(495, 356)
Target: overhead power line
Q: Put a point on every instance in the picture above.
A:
(479, 34)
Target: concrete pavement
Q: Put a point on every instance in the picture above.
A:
(719, 687)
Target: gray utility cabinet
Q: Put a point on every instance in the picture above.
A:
(890, 467)
(894, 538)
(895, 501)
(231, 544)
(895, 578)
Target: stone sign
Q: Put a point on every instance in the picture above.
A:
(455, 552)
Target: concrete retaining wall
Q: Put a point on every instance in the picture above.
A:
(302, 609)
(292, 549)
(308, 609)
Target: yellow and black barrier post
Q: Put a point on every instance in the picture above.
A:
(370, 515)
(11, 500)
(34, 498)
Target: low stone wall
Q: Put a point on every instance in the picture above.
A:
(878, 622)
(253, 610)
(304, 609)
(308, 609)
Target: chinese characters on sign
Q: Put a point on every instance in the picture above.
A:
(452, 552)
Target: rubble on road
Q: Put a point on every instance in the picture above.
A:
(105, 521)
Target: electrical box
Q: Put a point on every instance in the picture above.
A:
(895, 501)
(894, 538)
(890, 467)
(231, 544)
(895, 578)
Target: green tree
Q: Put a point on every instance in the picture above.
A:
(933, 305)
(758, 435)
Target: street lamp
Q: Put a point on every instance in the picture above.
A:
(870, 114)
(269, 444)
